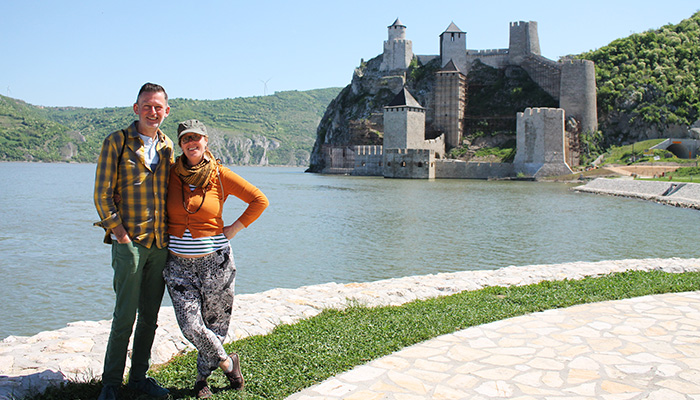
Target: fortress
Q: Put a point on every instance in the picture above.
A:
(547, 138)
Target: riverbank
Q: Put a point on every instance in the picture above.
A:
(76, 352)
(678, 194)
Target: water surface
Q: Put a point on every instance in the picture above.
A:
(322, 229)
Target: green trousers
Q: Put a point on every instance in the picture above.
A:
(139, 287)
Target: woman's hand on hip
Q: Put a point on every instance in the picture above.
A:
(233, 229)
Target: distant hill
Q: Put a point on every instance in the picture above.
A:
(278, 129)
(649, 83)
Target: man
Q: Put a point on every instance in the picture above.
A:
(130, 197)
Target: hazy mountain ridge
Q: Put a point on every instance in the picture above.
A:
(278, 129)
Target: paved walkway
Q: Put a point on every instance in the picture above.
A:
(641, 348)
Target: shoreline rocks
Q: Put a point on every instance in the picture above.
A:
(677, 194)
(29, 364)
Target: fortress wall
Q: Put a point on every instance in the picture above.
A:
(368, 160)
(495, 58)
(338, 159)
(545, 72)
(424, 59)
(409, 163)
(578, 93)
(455, 169)
(437, 145)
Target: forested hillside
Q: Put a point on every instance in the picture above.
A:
(649, 83)
(277, 129)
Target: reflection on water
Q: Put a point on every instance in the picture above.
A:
(322, 229)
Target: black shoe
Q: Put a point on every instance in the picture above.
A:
(149, 386)
(109, 392)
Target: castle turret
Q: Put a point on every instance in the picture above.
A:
(524, 40)
(404, 122)
(578, 93)
(453, 46)
(398, 51)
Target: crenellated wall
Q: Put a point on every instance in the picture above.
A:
(368, 160)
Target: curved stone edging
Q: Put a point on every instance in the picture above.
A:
(76, 352)
(678, 194)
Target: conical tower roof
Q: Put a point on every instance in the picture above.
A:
(403, 99)
(397, 23)
(453, 28)
(450, 67)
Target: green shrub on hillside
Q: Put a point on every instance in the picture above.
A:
(654, 76)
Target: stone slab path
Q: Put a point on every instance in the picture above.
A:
(640, 348)
(29, 364)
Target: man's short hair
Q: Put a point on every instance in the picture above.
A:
(152, 88)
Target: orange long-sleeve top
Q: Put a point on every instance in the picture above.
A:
(208, 220)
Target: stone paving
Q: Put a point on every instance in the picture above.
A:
(76, 352)
(641, 348)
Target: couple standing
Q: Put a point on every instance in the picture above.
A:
(163, 218)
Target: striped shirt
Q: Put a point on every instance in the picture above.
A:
(131, 192)
(187, 245)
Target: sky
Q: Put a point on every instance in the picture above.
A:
(97, 54)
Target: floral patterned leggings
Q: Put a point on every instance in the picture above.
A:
(201, 290)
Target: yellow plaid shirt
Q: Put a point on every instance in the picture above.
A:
(129, 192)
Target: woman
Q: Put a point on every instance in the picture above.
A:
(200, 273)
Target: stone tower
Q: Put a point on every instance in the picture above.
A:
(578, 93)
(404, 123)
(450, 103)
(453, 46)
(398, 51)
(524, 40)
(540, 143)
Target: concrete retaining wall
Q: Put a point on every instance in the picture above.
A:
(679, 194)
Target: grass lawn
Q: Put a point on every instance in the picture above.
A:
(294, 357)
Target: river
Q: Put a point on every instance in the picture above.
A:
(321, 229)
